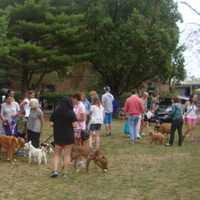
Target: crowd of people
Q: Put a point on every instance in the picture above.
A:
(76, 119)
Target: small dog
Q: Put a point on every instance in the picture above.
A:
(156, 137)
(9, 145)
(47, 147)
(38, 155)
(163, 128)
(83, 155)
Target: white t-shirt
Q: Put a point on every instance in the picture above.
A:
(9, 110)
(26, 107)
(97, 114)
(107, 101)
(191, 111)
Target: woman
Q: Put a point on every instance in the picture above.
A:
(63, 119)
(191, 117)
(177, 122)
(81, 116)
(96, 120)
(9, 113)
(35, 123)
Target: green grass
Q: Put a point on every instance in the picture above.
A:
(142, 171)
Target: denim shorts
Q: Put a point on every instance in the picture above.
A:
(95, 127)
(108, 118)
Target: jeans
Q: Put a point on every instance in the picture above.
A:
(132, 124)
(176, 124)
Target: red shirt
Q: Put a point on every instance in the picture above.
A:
(134, 105)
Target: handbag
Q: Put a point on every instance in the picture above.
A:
(84, 135)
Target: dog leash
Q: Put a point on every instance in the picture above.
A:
(45, 141)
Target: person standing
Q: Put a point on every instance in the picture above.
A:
(107, 102)
(191, 117)
(35, 123)
(96, 120)
(63, 120)
(81, 117)
(134, 107)
(9, 113)
(177, 122)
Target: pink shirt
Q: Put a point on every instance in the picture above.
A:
(134, 106)
(80, 109)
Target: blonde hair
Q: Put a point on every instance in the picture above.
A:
(34, 103)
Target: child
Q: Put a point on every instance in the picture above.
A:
(96, 120)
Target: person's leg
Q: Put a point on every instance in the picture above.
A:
(180, 132)
(135, 123)
(189, 127)
(138, 127)
(193, 126)
(97, 136)
(56, 160)
(109, 123)
(172, 132)
(67, 157)
(35, 139)
(130, 126)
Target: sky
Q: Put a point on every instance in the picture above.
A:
(192, 55)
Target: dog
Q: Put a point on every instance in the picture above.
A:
(47, 147)
(9, 145)
(163, 128)
(156, 137)
(81, 156)
(36, 154)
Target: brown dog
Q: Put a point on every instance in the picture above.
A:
(156, 137)
(9, 145)
(83, 155)
(163, 128)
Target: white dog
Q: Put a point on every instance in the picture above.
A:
(35, 153)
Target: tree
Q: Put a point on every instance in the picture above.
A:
(41, 41)
(3, 48)
(132, 41)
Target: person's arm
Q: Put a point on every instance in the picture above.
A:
(142, 106)
(126, 107)
(1, 114)
(41, 117)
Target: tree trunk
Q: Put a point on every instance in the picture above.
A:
(24, 82)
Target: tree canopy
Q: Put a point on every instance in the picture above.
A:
(127, 41)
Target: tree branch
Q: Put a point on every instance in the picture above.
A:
(189, 6)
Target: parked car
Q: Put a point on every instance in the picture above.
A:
(162, 113)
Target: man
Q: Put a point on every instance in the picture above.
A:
(134, 107)
(107, 102)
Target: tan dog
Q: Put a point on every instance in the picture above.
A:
(83, 155)
(163, 128)
(156, 137)
(9, 145)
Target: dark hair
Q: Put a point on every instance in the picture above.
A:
(77, 96)
(176, 99)
(8, 95)
(64, 106)
(133, 92)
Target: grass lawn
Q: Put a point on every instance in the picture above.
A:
(142, 171)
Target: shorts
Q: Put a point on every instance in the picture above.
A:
(108, 118)
(95, 127)
(191, 121)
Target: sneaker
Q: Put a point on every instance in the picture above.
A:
(54, 174)
(168, 145)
